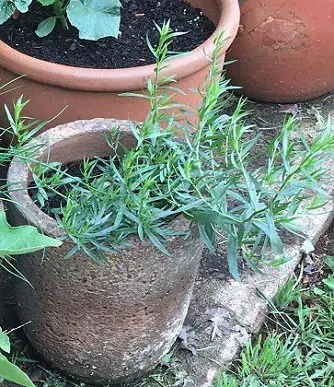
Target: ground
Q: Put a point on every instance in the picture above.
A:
(204, 347)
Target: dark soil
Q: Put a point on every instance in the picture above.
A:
(129, 50)
(313, 264)
(325, 246)
(55, 202)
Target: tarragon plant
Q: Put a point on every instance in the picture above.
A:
(95, 19)
(212, 177)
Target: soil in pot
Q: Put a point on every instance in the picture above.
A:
(129, 50)
(98, 90)
(56, 202)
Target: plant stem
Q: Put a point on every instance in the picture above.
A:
(59, 9)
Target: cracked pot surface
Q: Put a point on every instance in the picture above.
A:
(284, 50)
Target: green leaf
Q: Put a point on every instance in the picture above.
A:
(318, 292)
(157, 243)
(4, 342)
(206, 234)
(22, 240)
(22, 5)
(329, 282)
(95, 19)
(275, 240)
(8, 8)
(232, 256)
(329, 261)
(47, 2)
(270, 230)
(12, 373)
(46, 26)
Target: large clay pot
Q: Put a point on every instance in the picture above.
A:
(100, 324)
(91, 93)
(284, 49)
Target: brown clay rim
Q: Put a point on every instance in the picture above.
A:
(133, 78)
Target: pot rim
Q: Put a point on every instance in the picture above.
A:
(128, 79)
(18, 177)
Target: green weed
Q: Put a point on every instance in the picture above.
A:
(302, 353)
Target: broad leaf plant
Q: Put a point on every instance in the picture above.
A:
(15, 241)
(95, 19)
(8, 370)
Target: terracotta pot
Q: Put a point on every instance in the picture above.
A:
(91, 93)
(101, 324)
(7, 308)
(284, 49)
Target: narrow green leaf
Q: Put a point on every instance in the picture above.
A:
(329, 282)
(329, 261)
(275, 240)
(232, 257)
(157, 243)
(204, 235)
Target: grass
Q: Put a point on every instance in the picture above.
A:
(297, 346)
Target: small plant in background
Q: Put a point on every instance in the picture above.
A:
(94, 19)
(8, 370)
(24, 239)
(21, 129)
